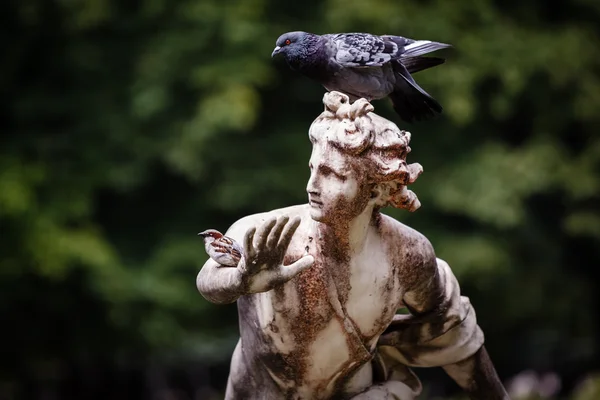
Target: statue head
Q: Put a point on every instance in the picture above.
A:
(358, 161)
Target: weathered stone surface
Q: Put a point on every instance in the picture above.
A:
(320, 283)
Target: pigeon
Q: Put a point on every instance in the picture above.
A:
(368, 66)
(222, 249)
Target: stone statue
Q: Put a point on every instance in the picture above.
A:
(319, 284)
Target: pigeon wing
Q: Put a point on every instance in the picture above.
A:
(365, 50)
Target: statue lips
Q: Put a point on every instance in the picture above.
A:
(314, 202)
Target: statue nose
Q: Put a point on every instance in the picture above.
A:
(311, 187)
(313, 184)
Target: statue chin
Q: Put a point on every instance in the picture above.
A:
(317, 214)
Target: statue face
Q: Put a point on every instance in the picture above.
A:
(337, 190)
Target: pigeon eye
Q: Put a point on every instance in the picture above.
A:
(287, 42)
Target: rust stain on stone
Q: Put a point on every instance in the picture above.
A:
(312, 316)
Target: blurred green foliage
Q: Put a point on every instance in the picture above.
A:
(130, 126)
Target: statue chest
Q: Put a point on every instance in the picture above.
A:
(374, 293)
(324, 323)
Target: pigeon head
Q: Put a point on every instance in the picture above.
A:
(210, 235)
(296, 47)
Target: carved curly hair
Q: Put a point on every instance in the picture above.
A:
(378, 143)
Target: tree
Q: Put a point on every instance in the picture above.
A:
(129, 127)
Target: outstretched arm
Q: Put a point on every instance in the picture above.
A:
(477, 376)
(219, 284)
(441, 330)
(260, 269)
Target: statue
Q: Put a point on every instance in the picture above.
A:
(318, 285)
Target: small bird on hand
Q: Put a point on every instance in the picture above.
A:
(222, 249)
(367, 66)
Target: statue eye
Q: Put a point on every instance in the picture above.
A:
(287, 41)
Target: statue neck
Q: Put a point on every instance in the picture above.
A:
(345, 239)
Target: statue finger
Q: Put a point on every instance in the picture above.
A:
(276, 232)
(287, 272)
(263, 233)
(288, 233)
(248, 239)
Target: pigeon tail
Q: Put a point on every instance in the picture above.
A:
(416, 64)
(420, 47)
(410, 101)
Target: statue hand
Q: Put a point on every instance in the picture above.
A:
(262, 266)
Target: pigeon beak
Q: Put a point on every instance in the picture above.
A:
(275, 51)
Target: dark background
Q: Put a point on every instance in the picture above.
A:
(129, 126)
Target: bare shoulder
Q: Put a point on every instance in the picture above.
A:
(239, 228)
(405, 237)
(408, 247)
